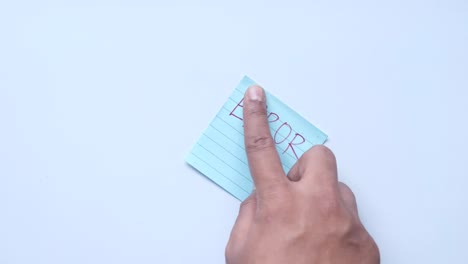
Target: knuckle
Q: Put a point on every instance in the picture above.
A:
(346, 192)
(375, 251)
(228, 251)
(321, 151)
(259, 143)
(342, 225)
(364, 243)
(248, 201)
(320, 162)
(345, 188)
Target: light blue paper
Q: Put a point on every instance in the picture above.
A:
(220, 155)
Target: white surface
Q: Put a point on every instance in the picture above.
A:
(99, 103)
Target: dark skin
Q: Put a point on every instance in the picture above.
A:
(307, 216)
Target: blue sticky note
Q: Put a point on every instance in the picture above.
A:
(220, 154)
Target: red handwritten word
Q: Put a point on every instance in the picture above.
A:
(278, 137)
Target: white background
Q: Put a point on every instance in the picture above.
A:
(100, 102)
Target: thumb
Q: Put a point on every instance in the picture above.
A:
(348, 198)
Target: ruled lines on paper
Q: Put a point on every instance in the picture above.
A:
(220, 154)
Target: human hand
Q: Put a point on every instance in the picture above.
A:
(306, 217)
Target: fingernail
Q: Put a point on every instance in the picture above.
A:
(255, 93)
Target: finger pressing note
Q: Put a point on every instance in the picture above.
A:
(264, 162)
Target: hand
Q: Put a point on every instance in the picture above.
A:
(306, 217)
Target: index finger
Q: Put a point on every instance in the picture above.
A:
(264, 162)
